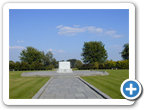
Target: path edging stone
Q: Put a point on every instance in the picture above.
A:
(95, 89)
(38, 94)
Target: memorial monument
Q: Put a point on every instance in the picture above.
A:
(64, 67)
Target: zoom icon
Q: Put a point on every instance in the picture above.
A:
(131, 89)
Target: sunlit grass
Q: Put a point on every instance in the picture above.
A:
(109, 84)
(24, 87)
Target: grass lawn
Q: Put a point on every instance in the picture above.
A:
(24, 87)
(109, 84)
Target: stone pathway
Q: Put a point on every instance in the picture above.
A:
(68, 88)
(67, 85)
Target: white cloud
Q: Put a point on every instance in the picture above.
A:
(110, 32)
(49, 49)
(16, 47)
(59, 26)
(70, 31)
(116, 36)
(94, 29)
(76, 25)
(19, 41)
(60, 51)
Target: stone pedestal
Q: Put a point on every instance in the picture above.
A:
(64, 67)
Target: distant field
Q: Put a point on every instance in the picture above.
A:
(109, 84)
(24, 87)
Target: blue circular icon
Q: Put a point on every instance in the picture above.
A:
(130, 89)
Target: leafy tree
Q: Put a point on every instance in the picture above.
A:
(48, 59)
(125, 52)
(94, 52)
(72, 62)
(11, 64)
(102, 66)
(31, 55)
(54, 62)
(95, 65)
(78, 63)
(37, 65)
(24, 65)
(17, 65)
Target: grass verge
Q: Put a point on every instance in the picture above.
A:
(24, 87)
(109, 84)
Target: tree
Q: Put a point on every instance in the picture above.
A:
(31, 55)
(95, 65)
(72, 62)
(110, 64)
(11, 64)
(17, 65)
(54, 62)
(24, 65)
(37, 65)
(48, 59)
(78, 63)
(94, 52)
(125, 52)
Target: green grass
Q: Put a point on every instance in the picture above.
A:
(24, 87)
(27, 87)
(109, 84)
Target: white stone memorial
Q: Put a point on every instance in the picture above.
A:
(64, 67)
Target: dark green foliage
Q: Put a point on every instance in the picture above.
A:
(125, 52)
(17, 65)
(86, 67)
(24, 65)
(78, 64)
(72, 62)
(94, 52)
(32, 59)
(109, 64)
(11, 65)
(31, 55)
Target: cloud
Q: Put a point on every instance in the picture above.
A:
(110, 32)
(94, 29)
(116, 36)
(116, 46)
(59, 26)
(16, 47)
(19, 41)
(60, 51)
(49, 49)
(76, 25)
(70, 31)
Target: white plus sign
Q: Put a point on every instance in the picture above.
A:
(131, 89)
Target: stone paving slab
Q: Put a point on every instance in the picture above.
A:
(55, 74)
(55, 89)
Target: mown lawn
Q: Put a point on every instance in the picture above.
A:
(24, 87)
(109, 84)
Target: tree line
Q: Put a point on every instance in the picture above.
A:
(109, 64)
(94, 56)
(33, 59)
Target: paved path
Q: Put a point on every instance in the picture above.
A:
(67, 85)
(68, 88)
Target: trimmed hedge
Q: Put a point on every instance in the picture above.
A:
(123, 64)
